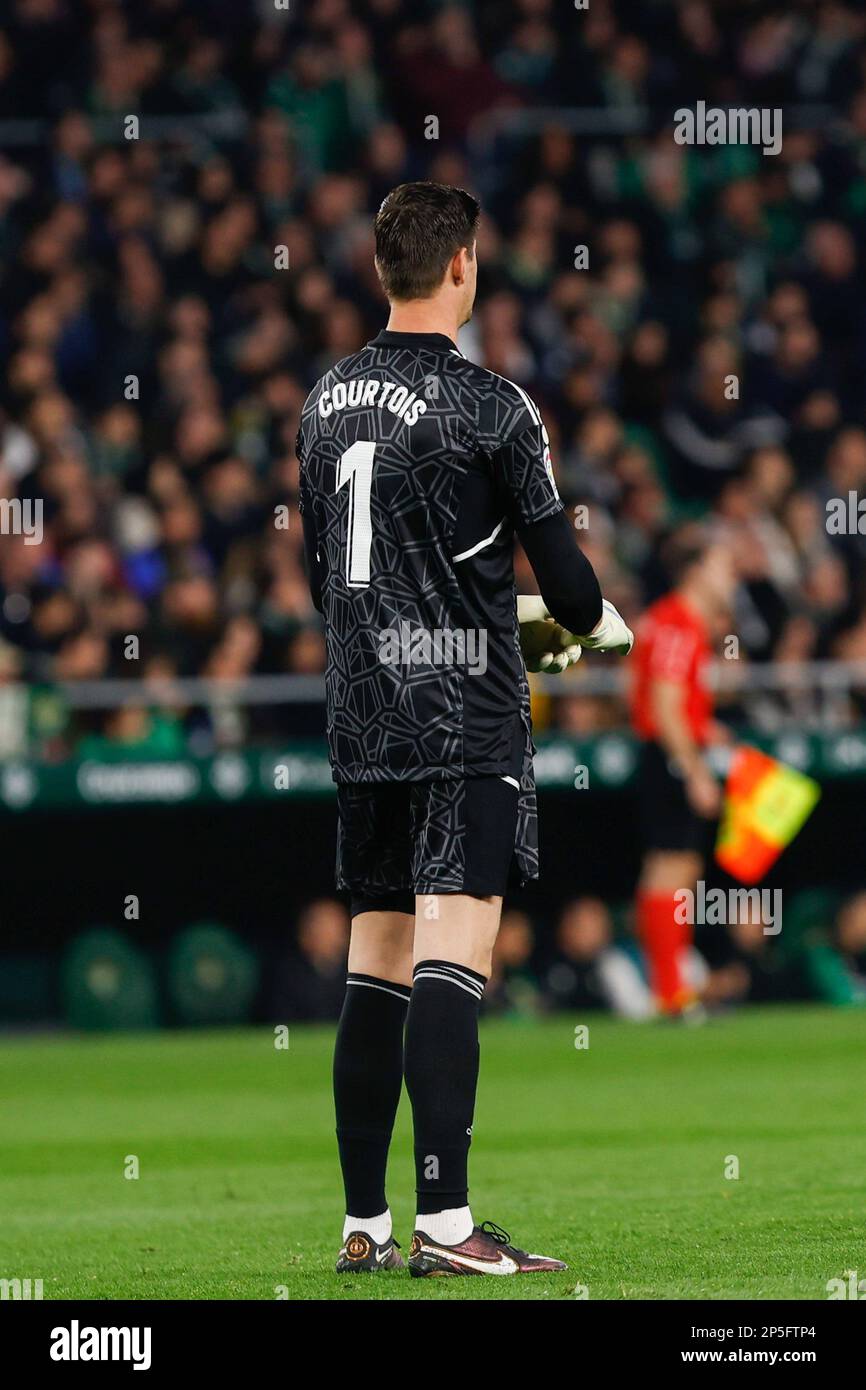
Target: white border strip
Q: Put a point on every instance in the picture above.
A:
(465, 555)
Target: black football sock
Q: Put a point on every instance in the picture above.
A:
(368, 1075)
(441, 1077)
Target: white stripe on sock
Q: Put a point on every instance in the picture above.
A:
(464, 974)
(476, 991)
(368, 984)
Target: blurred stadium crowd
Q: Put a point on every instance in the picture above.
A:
(588, 959)
(582, 959)
(153, 259)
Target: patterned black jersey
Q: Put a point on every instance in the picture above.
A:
(417, 468)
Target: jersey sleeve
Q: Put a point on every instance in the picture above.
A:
(524, 471)
(565, 577)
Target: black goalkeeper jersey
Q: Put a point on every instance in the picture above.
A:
(417, 466)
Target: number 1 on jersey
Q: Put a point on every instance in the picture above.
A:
(356, 469)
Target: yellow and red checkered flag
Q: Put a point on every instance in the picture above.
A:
(766, 805)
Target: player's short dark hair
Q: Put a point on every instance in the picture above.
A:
(682, 549)
(419, 228)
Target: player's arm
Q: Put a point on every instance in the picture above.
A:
(311, 555)
(668, 704)
(567, 580)
(570, 592)
(311, 539)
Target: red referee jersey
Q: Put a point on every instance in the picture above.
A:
(672, 643)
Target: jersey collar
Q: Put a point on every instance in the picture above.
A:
(692, 612)
(439, 341)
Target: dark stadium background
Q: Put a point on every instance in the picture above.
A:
(154, 257)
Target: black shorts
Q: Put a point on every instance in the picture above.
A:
(473, 835)
(667, 821)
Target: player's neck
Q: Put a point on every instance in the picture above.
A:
(423, 316)
(698, 602)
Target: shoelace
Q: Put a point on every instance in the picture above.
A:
(490, 1228)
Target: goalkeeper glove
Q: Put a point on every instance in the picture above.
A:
(549, 647)
(545, 645)
(610, 634)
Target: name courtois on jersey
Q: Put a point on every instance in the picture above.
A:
(383, 395)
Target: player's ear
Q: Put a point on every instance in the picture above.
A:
(458, 266)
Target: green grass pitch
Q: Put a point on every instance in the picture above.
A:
(612, 1157)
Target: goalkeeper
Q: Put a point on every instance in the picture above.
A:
(410, 503)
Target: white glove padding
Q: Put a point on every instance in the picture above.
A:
(531, 609)
(545, 645)
(611, 634)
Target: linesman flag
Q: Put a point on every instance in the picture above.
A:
(766, 805)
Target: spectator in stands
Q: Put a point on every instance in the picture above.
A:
(747, 965)
(513, 988)
(832, 945)
(589, 971)
(312, 980)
